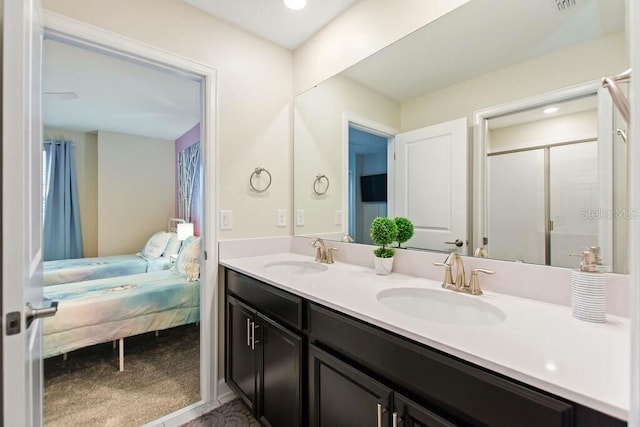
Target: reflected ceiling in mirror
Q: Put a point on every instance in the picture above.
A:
(445, 71)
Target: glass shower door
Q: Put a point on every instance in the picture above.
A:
(573, 195)
(516, 206)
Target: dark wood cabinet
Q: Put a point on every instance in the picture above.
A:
(463, 392)
(241, 360)
(279, 375)
(341, 396)
(407, 413)
(264, 357)
(295, 362)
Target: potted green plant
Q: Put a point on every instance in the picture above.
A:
(383, 232)
(405, 230)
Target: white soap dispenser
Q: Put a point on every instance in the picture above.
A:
(588, 287)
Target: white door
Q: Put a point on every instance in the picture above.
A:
(21, 212)
(431, 184)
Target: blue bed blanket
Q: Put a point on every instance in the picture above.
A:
(102, 310)
(81, 269)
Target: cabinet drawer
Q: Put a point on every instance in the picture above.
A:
(279, 305)
(465, 392)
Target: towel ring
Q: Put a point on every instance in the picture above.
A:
(256, 173)
(318, 181)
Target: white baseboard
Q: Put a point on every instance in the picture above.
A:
(225, 394)
(184, 415)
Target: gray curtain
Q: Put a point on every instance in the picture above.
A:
(62, 236)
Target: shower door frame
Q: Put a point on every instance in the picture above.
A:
(605, 156)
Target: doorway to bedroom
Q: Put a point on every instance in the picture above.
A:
(123, 198)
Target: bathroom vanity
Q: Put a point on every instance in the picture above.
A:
(311, 344)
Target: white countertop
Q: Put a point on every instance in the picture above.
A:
(539, 343)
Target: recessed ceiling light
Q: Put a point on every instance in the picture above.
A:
(550, 110)
(295, 4)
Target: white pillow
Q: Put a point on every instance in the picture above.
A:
(188, 261)
(173, 247)
(155, 245)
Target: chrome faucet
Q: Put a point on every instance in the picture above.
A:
(324, 255)
(459, 285)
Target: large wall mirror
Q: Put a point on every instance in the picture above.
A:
(394, 136)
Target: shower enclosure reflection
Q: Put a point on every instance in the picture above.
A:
(551, 178)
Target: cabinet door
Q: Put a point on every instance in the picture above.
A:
(342, 396)
(241, 360)
(409, 414)
(279, 375)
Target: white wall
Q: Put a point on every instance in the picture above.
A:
(565, 67)
(136, 190)
(569, 127)
(85, 150)
(365, 28)
(254, 89)
(319, 134)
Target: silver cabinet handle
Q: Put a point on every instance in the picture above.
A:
(395, 419)
(253, 335)
(381, 411)
(248, 332)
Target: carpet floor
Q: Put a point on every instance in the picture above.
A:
(161, 375)
(231, 414)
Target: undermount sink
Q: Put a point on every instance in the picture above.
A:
(441, 306)
(297, 267)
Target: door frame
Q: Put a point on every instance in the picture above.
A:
(70, 31)
(633, 147)
(375, 128)
(481, 138)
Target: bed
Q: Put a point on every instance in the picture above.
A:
(154, 256)
(78, 270)
(102, 310)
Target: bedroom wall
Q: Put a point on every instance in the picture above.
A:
(86, 160)
(254, 93)
(136, 190)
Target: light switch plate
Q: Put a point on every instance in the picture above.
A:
(338, 218)
(281, 218)
(299, 217)
(226, 220)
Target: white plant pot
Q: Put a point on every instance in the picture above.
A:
(383, 265)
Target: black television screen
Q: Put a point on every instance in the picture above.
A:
(374, 188)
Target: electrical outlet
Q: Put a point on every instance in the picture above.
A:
(300, 217)
(338, 217)
(226, 220)
(281, 218)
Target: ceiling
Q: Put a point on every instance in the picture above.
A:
(271, 20)
(460, 45)
(88, 91)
